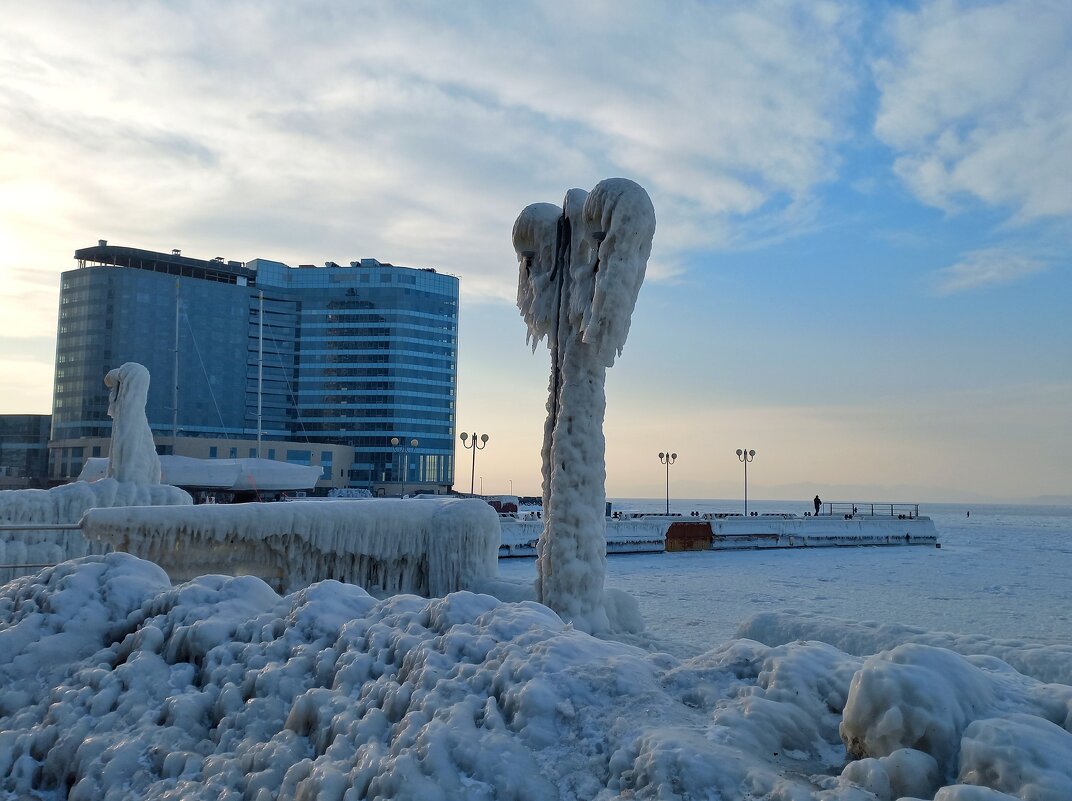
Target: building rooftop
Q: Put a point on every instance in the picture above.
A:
(174, 263)
(217, 269)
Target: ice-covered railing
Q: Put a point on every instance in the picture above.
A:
(426, 547)
(884, 509)
(133, 479)
(40, 527)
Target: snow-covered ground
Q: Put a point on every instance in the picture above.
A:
(113, 684)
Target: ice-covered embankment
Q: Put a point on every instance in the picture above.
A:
(428, 547)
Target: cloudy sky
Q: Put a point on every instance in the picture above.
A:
(861, 268)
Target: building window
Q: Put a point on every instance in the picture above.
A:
(252, 453)
(234, 453)
(213, 452)
(271, 453)
(300, 457)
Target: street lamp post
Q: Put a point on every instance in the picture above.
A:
(746, 457)
(668, 459)
(403, 447)
(474, 445)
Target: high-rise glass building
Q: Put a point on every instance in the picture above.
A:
(356, 354)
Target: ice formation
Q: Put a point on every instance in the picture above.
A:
(1045, 662)
(581, 268)
(132, 453)
(427, 547)
(133, 480)
(115, 684)
(66, 505)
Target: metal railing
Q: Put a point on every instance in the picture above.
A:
(36, 527)
(40, 527)
(870, 509)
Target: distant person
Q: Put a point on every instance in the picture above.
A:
(817, 503)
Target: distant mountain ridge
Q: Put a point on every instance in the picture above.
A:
(1054, 500)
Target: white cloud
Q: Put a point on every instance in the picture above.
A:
(410, 132)
(985, 268)
(976, 101)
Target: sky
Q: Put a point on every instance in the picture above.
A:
(861, 268)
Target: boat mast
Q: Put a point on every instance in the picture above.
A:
(260, 368)
(175, 384)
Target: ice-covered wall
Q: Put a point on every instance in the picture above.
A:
(427, 547)
(579, 276)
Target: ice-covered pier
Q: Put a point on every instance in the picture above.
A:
(653, 533)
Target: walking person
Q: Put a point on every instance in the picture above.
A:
(818, 503)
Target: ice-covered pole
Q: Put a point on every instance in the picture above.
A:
(581, 268)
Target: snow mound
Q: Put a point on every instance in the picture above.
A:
(1024, 756)
(1045, 662)
(219, 688)
(948, 706)
(427, 547)
(116, 685)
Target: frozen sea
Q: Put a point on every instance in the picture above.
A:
(1004, 571)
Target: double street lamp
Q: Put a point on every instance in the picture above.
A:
(403, 447)
(474, 445)
(746, 457)
(668, 459)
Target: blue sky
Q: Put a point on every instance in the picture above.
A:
(861, 268)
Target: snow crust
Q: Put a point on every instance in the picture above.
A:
(115, 684)
(227, 474)
(1046, 662)
(427, 547)
(580, 270)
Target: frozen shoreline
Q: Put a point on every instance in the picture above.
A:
(116, 684)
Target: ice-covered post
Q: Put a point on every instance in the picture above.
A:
(132, 454)
(581, 267)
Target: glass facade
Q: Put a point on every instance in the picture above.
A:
(375, 359)
(110, 315)
(24, 448)
(351, 355)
